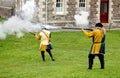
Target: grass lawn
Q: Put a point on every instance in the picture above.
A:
(2, 19)
(20, 57)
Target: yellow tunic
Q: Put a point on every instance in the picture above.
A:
(97, 38)
(44, 39)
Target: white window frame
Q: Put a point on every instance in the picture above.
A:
(82, 5)
(59, 10)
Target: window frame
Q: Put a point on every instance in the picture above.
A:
(83, 5)
(61, 3)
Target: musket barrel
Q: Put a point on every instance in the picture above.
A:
(32, 33)
(76, 28)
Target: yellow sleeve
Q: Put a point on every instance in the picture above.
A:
(38, 37)
(89, 34)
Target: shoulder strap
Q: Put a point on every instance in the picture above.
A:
(45, 34)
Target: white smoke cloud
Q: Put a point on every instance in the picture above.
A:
(18, 26)
(82, 19)
(2, 34)
(29, 10)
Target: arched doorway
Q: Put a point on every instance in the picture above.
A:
(104, 11)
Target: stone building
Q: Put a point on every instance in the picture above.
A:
(7, 8)
(61, 12)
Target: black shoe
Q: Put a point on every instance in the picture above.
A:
(102, 68)
(53, 59)
(89, 68)
(43, 60)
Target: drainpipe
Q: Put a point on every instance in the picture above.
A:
(45, 12)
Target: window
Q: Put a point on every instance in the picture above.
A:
(82, 6)
(59, 7)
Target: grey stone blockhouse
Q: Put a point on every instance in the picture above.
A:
(6, 8)
(61, 12)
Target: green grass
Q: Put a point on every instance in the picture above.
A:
(20, 57)
(2, 19)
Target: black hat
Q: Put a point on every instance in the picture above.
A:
(98, 25)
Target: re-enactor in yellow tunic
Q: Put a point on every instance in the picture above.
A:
(97, 38)
(43, 36)
(98, 46)
(45, 45)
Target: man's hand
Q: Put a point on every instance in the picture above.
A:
(82, 29)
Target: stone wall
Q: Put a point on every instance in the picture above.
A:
(71, 9)
(93, 12)
(7, 8)
(5, 12)
(7, 3)
(116, 14)
(50, 10)
(116, 8)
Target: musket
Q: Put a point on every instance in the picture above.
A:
(76, 28)
(32, 33)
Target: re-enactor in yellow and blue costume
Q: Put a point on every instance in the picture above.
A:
(98, 46)
(45, 45)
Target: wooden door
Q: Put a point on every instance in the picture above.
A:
(104, 10)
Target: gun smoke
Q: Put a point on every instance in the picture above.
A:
(81, 19)
(16, 25)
